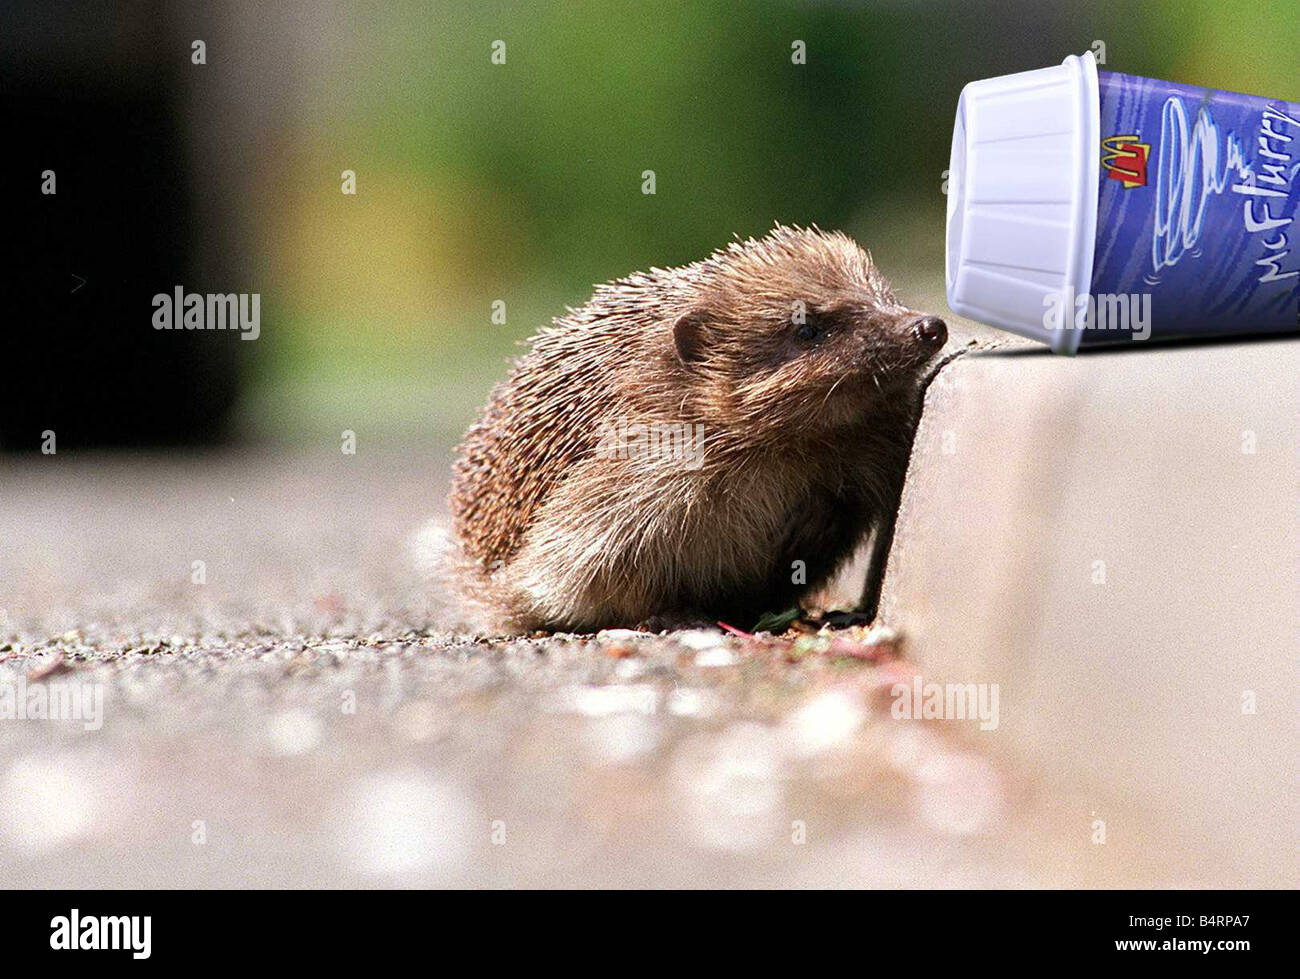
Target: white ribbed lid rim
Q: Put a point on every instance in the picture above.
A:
(1084, 135)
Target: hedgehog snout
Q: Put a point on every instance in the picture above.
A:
(931, 331)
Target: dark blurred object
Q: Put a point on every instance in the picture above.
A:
(92, 94)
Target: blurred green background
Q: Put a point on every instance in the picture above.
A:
(522, 182)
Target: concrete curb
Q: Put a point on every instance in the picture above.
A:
(1112, 539)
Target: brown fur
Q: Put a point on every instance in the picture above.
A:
(802, 440)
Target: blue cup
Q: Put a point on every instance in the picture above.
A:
(1089, 207)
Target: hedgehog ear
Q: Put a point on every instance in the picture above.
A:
(688, 337)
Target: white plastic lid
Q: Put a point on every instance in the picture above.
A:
(1022, 199)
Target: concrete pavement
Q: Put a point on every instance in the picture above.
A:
(307, 716)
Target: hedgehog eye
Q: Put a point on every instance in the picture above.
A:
(811, 329)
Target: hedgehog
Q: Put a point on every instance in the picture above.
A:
(697, 444)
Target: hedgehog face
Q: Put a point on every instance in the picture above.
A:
(800, 330)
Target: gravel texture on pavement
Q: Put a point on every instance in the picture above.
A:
(307, 715)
